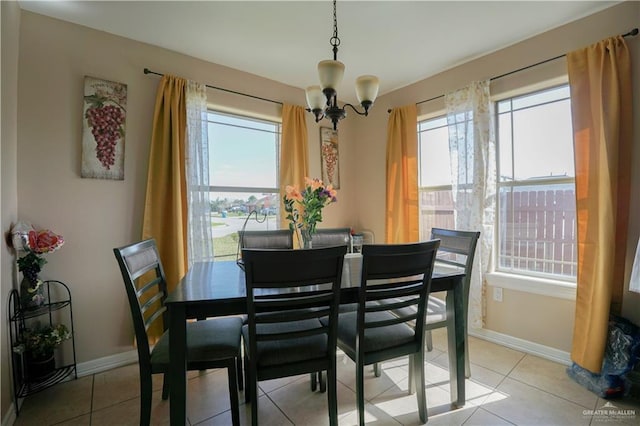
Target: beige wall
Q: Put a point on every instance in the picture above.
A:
(96, 215)
(546, 320)
(10, 18)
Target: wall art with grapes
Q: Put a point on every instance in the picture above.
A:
(105, 111)
(329, 159)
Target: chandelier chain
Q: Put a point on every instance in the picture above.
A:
(335, 40)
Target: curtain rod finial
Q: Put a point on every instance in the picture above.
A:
(146, 71)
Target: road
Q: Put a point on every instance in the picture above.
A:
(234, 224)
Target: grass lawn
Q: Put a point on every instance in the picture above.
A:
(225, 248)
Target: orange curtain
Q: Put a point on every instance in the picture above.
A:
(294, 164)
(402, 176)
(165, 207)
(600, 81)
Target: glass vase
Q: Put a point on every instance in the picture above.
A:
(31, 295)
(306, 238)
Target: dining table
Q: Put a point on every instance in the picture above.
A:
(217, 288)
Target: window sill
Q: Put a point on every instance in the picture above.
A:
(535, 285)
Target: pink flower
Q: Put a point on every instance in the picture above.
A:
(44, 241)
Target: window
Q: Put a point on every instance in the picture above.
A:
(535, 212)
(536, 185)
(243, 162)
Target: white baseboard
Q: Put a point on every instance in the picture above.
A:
(107, 363)
(546, 352)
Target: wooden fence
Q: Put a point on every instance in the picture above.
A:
(536, 228)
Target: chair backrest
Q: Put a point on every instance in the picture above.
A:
(458, 249)
(267, 239)
(263, 239)
(287, 287)
(331, 237)
(396, 278)
(146, 287)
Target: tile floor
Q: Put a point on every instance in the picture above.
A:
(507, 387)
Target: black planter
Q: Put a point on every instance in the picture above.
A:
(39, 369)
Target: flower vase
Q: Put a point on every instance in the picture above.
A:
(306, 238)
(31, 295)
(41, 368)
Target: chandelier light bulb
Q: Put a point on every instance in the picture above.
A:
(330, 73)
(315, 98)
(367, 88)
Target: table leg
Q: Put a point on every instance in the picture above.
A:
(178, 365)
(456, 343)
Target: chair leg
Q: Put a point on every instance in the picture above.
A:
(467, 365)
(322, 378)
(332, 394)
(418, 379)
(165, 386)
(146, 392)
(412, 382)
(239, 372)
(427, 337)
(233, 392)
(247, 381)
(377, 369)
(254, 399)
(314, 381)
(360, 391)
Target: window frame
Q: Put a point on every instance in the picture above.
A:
(499, 273)
(278, 133)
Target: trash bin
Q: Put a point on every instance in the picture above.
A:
(621, 357)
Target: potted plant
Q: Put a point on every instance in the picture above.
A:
(39, 343)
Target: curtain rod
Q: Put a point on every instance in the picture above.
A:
(148, 71)
(631, 33)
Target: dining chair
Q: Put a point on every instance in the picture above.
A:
(212, 343)
(264, 239)
(457, 250)
(288, 291)
(395, 277)
(325, 237)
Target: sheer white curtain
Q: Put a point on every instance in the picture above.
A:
(473, 170)
(200, 238)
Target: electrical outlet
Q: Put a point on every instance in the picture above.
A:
(497, 294)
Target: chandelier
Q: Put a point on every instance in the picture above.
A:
(323, 100)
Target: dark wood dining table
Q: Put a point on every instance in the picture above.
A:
(211, 289)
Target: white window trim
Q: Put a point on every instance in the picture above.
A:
(532, 284)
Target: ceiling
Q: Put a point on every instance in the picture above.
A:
(399, 41)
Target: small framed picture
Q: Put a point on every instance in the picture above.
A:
(103, 133)
(329, 158)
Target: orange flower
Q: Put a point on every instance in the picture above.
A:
(332, 192)
(293, 192)
(313, 183)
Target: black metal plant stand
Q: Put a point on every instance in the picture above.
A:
(57, 309)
